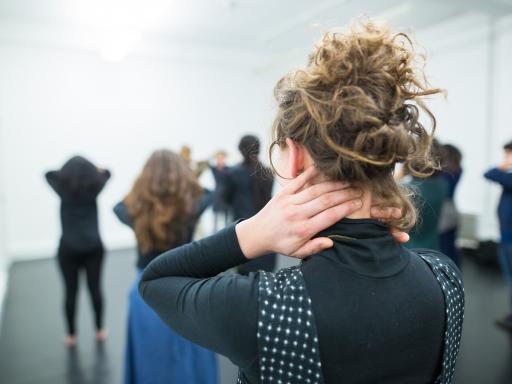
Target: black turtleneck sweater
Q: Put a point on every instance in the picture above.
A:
(378, 308)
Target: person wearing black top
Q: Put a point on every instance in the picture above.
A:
(360, 307)
(221, 208)
(449, 221)
(247, 187)
(78, 184)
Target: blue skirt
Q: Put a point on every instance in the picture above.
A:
(157, 355)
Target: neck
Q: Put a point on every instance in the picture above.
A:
(364, 211)
(361, 213)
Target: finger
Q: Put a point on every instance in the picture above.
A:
(330, 216)
(313, 246)
(317, 190)
(400, 237)
(300, 181)
(386, 213)
(328, 200)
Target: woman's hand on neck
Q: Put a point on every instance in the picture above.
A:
(300, 160)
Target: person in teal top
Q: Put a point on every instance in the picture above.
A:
(429, 196)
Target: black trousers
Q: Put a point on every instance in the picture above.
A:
(71, 263)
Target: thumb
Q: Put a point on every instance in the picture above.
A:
(313, 246)
(401, 237)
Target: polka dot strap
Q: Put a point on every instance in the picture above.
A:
(453, 289)
(287, 337)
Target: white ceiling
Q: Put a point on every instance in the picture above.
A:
(265, 26)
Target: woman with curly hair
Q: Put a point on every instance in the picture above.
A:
(360, 308)
(162, 209)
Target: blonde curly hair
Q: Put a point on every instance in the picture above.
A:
(355, 108)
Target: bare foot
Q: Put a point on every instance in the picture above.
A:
(70, 341)
(101, 335)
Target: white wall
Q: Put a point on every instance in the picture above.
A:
(475, 72)
(3, 253)
(55, 103)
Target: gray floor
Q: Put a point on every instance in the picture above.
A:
(31, 349)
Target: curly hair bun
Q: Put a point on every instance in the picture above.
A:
(356, 106)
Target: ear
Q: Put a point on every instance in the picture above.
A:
(296, 158)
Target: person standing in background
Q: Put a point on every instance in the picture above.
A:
(78, 183)
(220, 206)
(430, 194)
(162, 208)
(502, 174)
(247, 188)
(449, 222)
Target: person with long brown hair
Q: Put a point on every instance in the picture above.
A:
(162, 209)
(360, 308)
(78, 184)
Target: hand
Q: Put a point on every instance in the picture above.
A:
(388, 214)
(293, 216)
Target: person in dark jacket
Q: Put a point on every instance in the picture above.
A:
(247, 188)
(360, 308)
(162, 209)
(502, 175)
(78, 183)
(221, 208)
(451, 158)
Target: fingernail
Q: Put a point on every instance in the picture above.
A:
(358, 203)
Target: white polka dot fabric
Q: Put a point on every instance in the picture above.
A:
(453, 290)
(287, 336)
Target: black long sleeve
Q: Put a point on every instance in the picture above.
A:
(79, 211)
(103, 177)
(122, 214)
(218, 312)
(501, 177)
(377, 307)
(52, 177)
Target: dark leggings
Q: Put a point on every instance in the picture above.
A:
(447, 241)
(70, 263)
